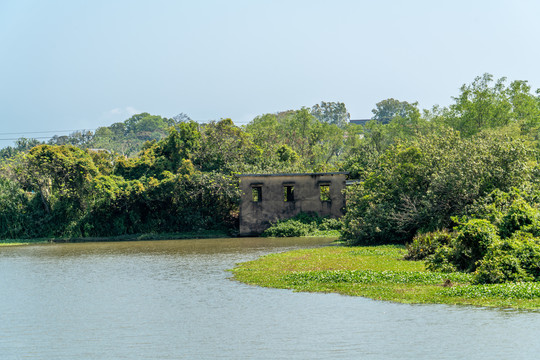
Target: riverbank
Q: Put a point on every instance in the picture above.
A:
(206, 234)
(379, 273)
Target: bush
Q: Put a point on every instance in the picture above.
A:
(493, 206)
(472, 242)
(464, 251)
(328, 224)
(442, 260)
(501, 268)
(519, 216)
(501, 247)
(510, 211)
(304, 224)
(287, 228)
(510, 260)
(424, 245)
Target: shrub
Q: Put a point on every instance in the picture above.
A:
(465, 250)
(493, 206)
(500, 268)
(425, 244)
(519, 216)
(304, 224)
(442, 260)
(472, 242)
(327, 224)
(510, 260)
(287, 228)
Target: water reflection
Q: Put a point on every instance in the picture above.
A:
(173, 300)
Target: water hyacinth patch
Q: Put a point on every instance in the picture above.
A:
(381, 250)
(371, 277)
(520, 290)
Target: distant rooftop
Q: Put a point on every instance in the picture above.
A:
(359, 121)
(363, 122)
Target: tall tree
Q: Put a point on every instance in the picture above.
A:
(334, 113)
(58, 174)
(387, 110)
(179, 145)
(225, 147)
(487, 103)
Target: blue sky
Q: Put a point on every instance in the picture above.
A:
(76, 64)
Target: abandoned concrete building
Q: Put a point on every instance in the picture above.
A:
(267, 198)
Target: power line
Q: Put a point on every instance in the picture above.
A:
(63, 131)
(32, 138)
(44, 132)
(55, 132)
(58, 131)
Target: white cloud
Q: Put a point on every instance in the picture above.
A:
(125, 112)
(116, 111)
(131, 111)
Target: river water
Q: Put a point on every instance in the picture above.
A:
(175, 300)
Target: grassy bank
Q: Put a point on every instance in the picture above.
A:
(206, 234)
(379, 273)
(15, 242)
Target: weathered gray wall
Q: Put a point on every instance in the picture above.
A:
(255, 217)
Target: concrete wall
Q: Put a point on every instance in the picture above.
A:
(255, 217)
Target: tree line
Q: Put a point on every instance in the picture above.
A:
(420, 171)
(181, 178)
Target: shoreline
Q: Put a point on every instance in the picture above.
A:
(206, 234)
(379, 273)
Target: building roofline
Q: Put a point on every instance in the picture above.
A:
(296, 174)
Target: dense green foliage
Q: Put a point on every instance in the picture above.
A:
(468, 247)
(498, 241)
(128, 137)
(512, 291)
(421, 184)
(180, 180)
(425, 244)
(486, 103)
(66, 191)
(514, 259)
(298, 141)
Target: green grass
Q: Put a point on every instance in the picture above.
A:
(205, 234)
(14, 242)
(379, 273)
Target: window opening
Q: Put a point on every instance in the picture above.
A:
(288, 193)
(256, 193)
(325, 192)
